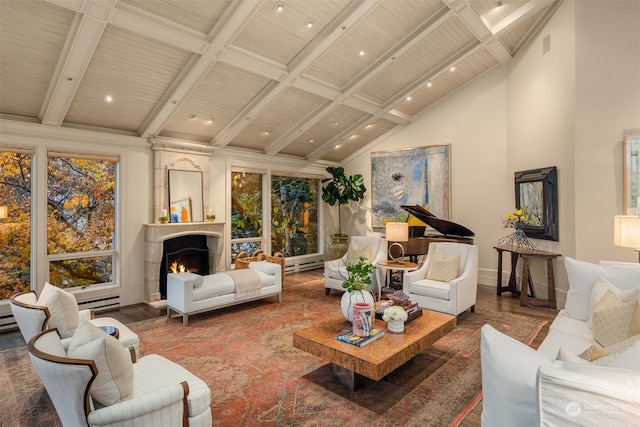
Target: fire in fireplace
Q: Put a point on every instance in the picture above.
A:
(185, 253)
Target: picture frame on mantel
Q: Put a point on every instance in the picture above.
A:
(631, 174)
(537, 191)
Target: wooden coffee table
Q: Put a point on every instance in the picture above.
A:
(378, 358)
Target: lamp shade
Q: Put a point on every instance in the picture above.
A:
(626, 231)
(397, 231)
(4, 212)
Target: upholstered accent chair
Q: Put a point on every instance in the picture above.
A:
(372, 248)
(447, 281)
(57, 308)
(158, 391)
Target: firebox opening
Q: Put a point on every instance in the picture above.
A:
(185, 253)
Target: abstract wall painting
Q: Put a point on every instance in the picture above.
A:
(413, 176)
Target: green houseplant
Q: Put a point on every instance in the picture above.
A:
(341, 189)
(359, 271)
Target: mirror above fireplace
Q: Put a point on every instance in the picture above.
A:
(185, 196)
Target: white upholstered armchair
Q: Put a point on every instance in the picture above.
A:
(57, 308)
(372, 248)
(447, 281)
(160, 393)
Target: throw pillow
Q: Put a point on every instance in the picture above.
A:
(114, 381)
(600, 288)
(582, 276)
(612, 319)
(443, 269)
(63, 309)
(508, 380)
(623, 355)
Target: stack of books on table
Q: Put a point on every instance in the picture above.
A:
(351, 338)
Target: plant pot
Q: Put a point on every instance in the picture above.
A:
(339, 245)
(396, 326)
(350, 298)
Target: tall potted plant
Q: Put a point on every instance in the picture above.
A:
(341, 189)
(359, 272)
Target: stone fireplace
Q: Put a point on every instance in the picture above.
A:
(157, 234)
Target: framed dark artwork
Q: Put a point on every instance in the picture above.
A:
(413, 176)
(537, 192)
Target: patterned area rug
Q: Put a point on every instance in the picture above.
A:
(245, 354)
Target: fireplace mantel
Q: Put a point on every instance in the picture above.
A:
(156, 234)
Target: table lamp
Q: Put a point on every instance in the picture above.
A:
(396, 232)
(4, 212)
(626, 232)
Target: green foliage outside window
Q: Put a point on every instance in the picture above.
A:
(294, 215)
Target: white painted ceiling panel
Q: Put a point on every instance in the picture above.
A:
(222, 73)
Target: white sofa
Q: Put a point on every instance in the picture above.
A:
(189, 293)
(554, 385)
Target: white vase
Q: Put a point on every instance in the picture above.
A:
(396, 326)
(350, 298)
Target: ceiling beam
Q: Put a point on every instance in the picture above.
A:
(82, 41)
(234, 19)
(332, 34)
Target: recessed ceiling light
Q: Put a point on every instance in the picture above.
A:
(338, 146)
(308, 25)
(210, 120)
(267, 132)
(311, 141)
(193, 117)
(108, 98)
(335, 123)
(452, 69)
(369, 126)
(429, 84)
(279, 8)
(408, 98)
(361, 53)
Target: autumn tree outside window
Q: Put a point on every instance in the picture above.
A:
(15, 231)
(81, 219)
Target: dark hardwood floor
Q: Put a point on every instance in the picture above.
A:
(486, 300)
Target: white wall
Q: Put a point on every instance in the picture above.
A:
(607, 106)
(568, 108)
(474, 122)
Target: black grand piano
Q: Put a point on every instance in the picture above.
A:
(447, 231)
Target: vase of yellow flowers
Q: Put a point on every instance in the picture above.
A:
(516, 220)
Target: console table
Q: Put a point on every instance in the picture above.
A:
(526, 255)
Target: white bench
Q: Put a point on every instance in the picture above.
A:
(189, 293)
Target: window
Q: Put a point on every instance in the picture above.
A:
(15, 230)
(246, 213)
(81, 219)
(294, 215)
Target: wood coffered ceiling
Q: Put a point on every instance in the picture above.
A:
(241, 74)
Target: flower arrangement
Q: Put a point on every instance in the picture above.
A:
(395, 313)
(163, 219)
(517, 220)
